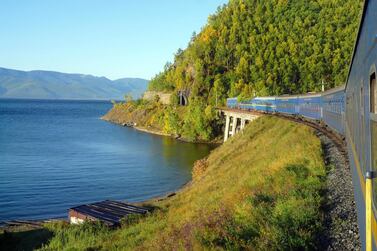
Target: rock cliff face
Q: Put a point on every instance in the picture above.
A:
(163, 97)
(127, 115)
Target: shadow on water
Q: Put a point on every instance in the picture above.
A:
(184, 153)
(24, 240)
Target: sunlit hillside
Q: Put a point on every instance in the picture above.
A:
(250, 48)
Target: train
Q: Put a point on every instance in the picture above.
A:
(327, 107)
(351, 111)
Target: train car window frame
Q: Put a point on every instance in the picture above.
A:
(353, 104)
(372, 102)
(362, 126)
(373, 95)
(362, 98)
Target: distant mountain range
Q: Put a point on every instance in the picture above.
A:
(56, 85)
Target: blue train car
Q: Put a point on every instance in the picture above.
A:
(232, 103)
(310, 106)
(287, 104)
(333, 108)
(264, 104)
(247, 105)
(361, 124)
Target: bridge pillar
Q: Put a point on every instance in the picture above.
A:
(226, 131)
(231, 119)
(234, 125)
(243, 122)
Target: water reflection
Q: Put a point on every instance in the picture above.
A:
(58, 154)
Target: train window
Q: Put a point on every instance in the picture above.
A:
(353, 115)
(362, 134)
(373, 93)
(373, 129)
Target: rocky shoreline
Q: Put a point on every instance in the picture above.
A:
(139, 128)
(110, 117)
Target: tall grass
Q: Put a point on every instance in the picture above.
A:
(261, 190)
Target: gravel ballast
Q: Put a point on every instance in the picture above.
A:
(341, 229)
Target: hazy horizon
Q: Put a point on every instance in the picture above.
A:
(114, 39)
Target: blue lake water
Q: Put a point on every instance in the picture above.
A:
(58, 154)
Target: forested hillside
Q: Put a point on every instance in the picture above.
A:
(251, 47)
(267, 47)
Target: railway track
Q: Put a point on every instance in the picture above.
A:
(339, 140)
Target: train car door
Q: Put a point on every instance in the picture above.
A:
(373, 126)
(362, 125)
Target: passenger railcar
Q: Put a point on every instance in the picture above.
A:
(287, 104)
(232, 103)
(361, 123)
(264, 104)
(333, 108)
(310, 106)
(246, 105)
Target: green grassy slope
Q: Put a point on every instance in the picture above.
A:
(260, 190)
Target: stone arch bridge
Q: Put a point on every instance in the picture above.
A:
(235, 120)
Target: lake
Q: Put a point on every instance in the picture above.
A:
(58, 154)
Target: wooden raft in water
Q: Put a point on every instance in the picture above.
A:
(108, 212)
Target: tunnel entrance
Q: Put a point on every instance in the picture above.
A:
(183, 98)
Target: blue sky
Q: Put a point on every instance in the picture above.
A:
(111, 38)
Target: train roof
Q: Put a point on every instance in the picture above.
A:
(287, 97)
(334, 90)
(310, 95)
(266, 98)
(365, 7)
